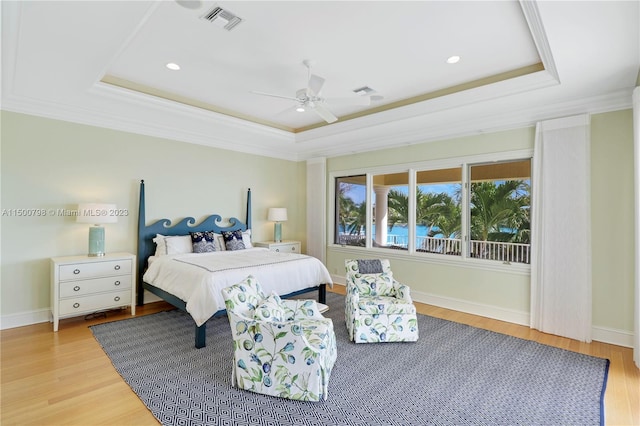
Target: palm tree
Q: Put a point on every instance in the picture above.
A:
(398, 208)
(351, 215)
(496, 207)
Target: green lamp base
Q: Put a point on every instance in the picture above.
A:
(96, 241)
(277, 232)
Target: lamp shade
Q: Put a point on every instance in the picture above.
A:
(96, 213)
(277, 214)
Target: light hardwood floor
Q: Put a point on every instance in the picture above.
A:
(65, 378)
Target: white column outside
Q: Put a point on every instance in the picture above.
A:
(382, 196)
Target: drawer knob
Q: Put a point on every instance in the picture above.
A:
(293, 248)
(76, 305)
(117, 267)
(116, 283)
(116, 299)
(277, 249)
(76, 288)
(76, 271)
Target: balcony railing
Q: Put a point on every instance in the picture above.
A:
(490, 250)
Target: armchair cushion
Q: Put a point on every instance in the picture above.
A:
(271, 309)
(385, 305)
(375, 284)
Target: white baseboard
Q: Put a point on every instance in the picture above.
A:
(44, 315)
(25, 318)
(489, 311)
(600, 334)
(612, 336)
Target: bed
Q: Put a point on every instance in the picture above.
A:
(192, 281)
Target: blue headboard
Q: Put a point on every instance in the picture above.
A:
(146, 233)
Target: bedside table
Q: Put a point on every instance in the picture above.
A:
(284, 246)
(83, 285)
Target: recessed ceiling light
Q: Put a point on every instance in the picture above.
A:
(173, 66)
(453, 59)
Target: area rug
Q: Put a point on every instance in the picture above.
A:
(454, 375)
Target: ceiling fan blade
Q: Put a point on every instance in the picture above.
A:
(315, 84)
(324, 113)
(354, 100)
(275, 96)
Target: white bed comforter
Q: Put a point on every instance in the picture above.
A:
(197, 278)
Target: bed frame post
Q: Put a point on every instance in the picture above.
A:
(141, 258)
(322, 293)
(201, 336)
(248, 218)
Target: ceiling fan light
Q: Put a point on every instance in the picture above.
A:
(300, 108)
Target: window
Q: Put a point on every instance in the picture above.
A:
(390, 210)
(469, 210)
(351, 211)
(439, 211)
(500, 206)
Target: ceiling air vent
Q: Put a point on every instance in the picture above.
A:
(223, 18)
(364, 91)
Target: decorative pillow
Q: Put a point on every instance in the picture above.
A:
(246, 238)
(203, 242)
(375, 284)
(233, 240)
(161, 247)
(370, 266)
(244, 296)
(176, 244)
(220, 243)
(271, 309)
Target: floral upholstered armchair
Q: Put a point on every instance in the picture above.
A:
(283, 348)
(377, 307)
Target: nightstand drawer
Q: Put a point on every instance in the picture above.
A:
(288, 246)
(96, 285)
(96, 302)
(80, 271)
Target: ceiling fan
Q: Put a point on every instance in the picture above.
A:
(310, 97)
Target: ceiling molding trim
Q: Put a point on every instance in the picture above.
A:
(483, 94)
(140, 99)
(417, 131)
(11, 19)
(532, 15)
(119, 122)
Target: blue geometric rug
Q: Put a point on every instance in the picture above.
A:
(454, 375)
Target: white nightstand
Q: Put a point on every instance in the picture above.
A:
(285, 246)
(82, 284)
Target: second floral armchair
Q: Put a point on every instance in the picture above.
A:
(377, 307)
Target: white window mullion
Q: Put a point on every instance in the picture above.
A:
(411, 226)
(466, 212)
(369, 226)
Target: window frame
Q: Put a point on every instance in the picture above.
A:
(412, 168)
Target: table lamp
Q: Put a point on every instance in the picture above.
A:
(96, 214)
(277, 215)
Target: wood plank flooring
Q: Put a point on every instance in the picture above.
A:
(65, 378)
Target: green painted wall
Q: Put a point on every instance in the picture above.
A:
(49, 164)
(612, 223)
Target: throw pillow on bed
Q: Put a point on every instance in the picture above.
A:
(233, 240)
(203, 242)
